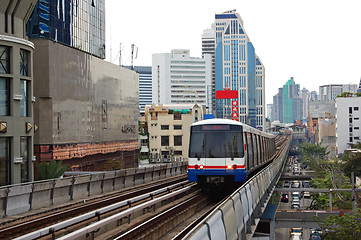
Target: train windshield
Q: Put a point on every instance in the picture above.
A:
(216, 144)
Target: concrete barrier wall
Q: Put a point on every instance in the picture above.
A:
(235, 216)
(20, 198)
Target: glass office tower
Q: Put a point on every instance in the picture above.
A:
(238, 68)
(76, 23)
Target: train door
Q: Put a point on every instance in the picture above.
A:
(255, 155)
(249, 151)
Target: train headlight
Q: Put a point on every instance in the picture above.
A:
(229, 166)
(201, 166)
(196, 167)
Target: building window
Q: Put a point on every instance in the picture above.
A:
(24, 154)
(24, 62)
(5, 161)
(154, 116)
(355, 108)
(164, 127)
(177, 116)
(350, 110)
(177, 127)
(4, 97)
(178, 153)
(4, 59)
(350, 139)
(165, 154)
(164, 141)
(177, 140)
(350, 120)
(24, 102)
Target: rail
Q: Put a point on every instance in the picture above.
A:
(20, 198)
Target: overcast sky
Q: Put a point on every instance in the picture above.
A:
(317, 42)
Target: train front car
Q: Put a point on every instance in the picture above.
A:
(216, 152)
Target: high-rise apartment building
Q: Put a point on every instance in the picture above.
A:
(348, 124)
(329, 92)
(238, 68)
(16, 94)
(145, 85)
(208, 47)
(180, 79)
(76, 23)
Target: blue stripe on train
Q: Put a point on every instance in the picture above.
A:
(239, 174)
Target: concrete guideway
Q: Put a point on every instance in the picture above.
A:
(239, 215)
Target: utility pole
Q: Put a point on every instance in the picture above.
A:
(353, 192)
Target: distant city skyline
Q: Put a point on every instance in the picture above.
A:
(316, 46)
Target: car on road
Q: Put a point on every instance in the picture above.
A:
(296, 184)
(295, 206)
(296, 232)
(284, 197)
(286, 183)
(306, 184)
(306, 194)
(296, 194)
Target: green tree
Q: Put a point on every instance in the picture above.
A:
(312, 150)
(53, 169)
(347, 227)
(351, 161)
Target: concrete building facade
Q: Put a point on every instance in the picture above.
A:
(86, 109)
(238, 68)
(321, 125)
(179, 78)
(16, 94)
(348, 114)
(169, 129)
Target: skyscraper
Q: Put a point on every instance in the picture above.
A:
(208, 47)
(180, 79)
(287, 104)
(145, 85)
(76, 23)
(238, 68)
(329, 92)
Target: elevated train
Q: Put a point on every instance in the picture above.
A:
(226, 151)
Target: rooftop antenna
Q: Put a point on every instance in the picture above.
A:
(110, 57)
(132, 57)
(120, 54)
